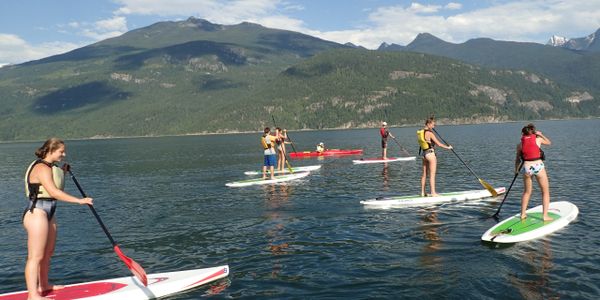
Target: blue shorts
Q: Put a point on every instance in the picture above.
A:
(270, 160)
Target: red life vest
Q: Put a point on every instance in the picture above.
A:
(530, 149)
(384, 133)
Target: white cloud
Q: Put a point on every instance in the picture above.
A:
(14, 49)
(453, 6)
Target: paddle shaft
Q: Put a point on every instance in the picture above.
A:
(485, 184)
(405, 151)
(288, 136)
(93, 210)
(508, 190)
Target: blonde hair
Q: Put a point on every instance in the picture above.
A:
(49, 146)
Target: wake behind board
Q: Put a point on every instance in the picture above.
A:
(258, 181)
(294, 169)
(381, 160)
(130, 288)
(417, 200)
(513, 230)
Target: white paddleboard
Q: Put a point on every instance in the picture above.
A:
(130, 288)
(258, 181)
(417, 200)
(286, 170)
(380, 160)
(513, 230)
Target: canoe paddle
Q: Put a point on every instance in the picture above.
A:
(133, 266)
(495, 216)
(486, 185)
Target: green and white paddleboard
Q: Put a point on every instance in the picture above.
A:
(513, 229)
(258, 181)
(286, 170)
(417, 200)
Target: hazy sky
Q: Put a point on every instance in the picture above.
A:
(32, 29)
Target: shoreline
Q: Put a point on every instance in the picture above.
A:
(440, 122)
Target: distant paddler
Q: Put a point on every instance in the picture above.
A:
(385, 133)
(427, 141)
(268, 142)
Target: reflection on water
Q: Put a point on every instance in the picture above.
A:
(386, 177)
(430, 227)
(276, 196)
(535, 284)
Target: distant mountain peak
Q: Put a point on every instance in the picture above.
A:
(588, 43)
(557, 41)
(202, 24)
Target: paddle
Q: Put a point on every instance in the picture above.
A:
(495, 216)
(486, 185)
(287, 162)
(405, 151)
(288, 136)
(133, 266)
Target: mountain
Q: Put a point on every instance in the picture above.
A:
(573, 68)
(589, 43)
(193, 76)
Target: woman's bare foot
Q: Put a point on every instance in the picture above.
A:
(37, 297)
(433, 195)
(523, 217)
(50, 288)
(547, 218)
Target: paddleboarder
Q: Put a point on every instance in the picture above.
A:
(427, 141)
(530, 152)
(44, 182)
(280, 137)
(385, 133)
(270, 158)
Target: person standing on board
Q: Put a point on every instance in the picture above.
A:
(529, 151)
(268, 142)
(385, 133)
(427, 140)
(44, 183)
(280, 137)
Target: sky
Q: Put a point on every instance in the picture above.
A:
(33, 29)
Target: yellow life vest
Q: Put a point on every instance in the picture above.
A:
(266, 145)
(58, 176)
(421, 139)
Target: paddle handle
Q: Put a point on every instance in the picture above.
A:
(405, 151)
(93, 210)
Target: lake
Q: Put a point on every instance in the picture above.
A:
(165, 202)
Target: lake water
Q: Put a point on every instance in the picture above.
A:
(165, 202)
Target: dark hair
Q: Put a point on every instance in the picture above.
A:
(267, 129)
(48, 147)
(528, 129)
(277, 128)
(429, 121)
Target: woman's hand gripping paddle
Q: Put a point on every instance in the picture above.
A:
(486, 185)
(133, 266)
(287, 161)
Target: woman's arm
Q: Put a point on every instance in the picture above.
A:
(434, 139)
(44, 175)
(543, 138)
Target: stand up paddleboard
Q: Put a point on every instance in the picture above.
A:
(130, 288)
(381, 160)
(513, 229)
(294, 169)
(403, 201)
(258, 181)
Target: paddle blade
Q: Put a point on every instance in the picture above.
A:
(488, 187)
(133, 266)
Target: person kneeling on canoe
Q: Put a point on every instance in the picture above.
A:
(427, 140)
(320, 147)
(44, 183)
(385, 133)
(268, 142)
(529, 151)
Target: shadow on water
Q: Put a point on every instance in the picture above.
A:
(76, 97)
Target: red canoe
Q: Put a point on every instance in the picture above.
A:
(327, 152)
